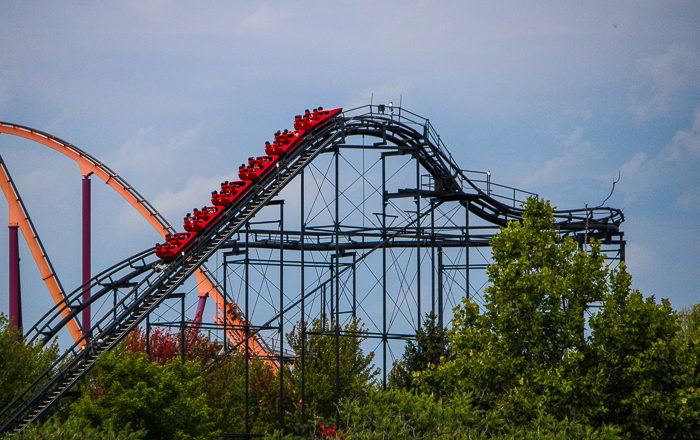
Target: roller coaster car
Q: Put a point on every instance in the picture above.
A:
(309, 121)
(257, 167)
(264, 163)
(284, 142)
(201, 219)
(230, 191)
(246, 172)
(174, 244)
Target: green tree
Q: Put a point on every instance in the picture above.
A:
(431, 346)
(527, 355)
(689, 321)
(164, 400)
(357, 372)
(224, 386)
(540, 288)
(20, 363)
(57, 429)
(402, 414)
(637, 372)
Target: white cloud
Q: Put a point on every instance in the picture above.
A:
(571, 164)
(640, 259)
(689, 201)
(4, 92)
(174, 205)
(663, 80)
(578, 113)
(636, 167)
(149, 153)
(262, 22)
(689, 140)
(148, 7)
(673, 166)
(195, 194)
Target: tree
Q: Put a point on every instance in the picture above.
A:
(57, 429)
(403, 414)
(431, 347)
(20, 363)
(357, 373)
(540, 288)
(162, 345)
(689, 321)
(224, 386)
(164, 400)
(638, 372)
(527, 355)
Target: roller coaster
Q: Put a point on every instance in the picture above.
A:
(361, 213)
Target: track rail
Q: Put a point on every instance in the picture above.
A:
(88, 165)
(158, 282)
(20, 217)
(150, 281)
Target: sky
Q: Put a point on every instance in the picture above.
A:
(557, 98)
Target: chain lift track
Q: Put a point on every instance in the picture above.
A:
(89, 165)
(146, 281)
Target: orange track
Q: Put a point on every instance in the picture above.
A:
(20, 217)
(89, 165)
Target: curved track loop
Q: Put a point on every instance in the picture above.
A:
(19, 216)
(452, 182)
(148, 281)
(88, 164)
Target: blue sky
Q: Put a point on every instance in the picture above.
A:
(551, 97)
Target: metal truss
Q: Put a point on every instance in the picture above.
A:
(371, 219)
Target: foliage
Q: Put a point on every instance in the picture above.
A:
(224, 386)
(637, 372)
(431, 347)
(537, 362)
(164, 400)
(356, 371)
(689, 321)
(20, 363)
(164, 345)
(405, 414)
(527, 356)
(57, 429)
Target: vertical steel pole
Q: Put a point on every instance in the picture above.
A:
(281, 360)
(225, 304)
(303, 307)
(337, 289)
(418, 237)
(15, 285)
(337, 232)
(148, 336)
(324, 317)
(182, 329)
(86, 254)
(622, 246)
(247, 331)
(432, 259)
(331, 303)
(384, 286)
(354, 285)
(468, 243)
(440, 287)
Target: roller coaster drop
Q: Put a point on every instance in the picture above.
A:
(382, 252)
